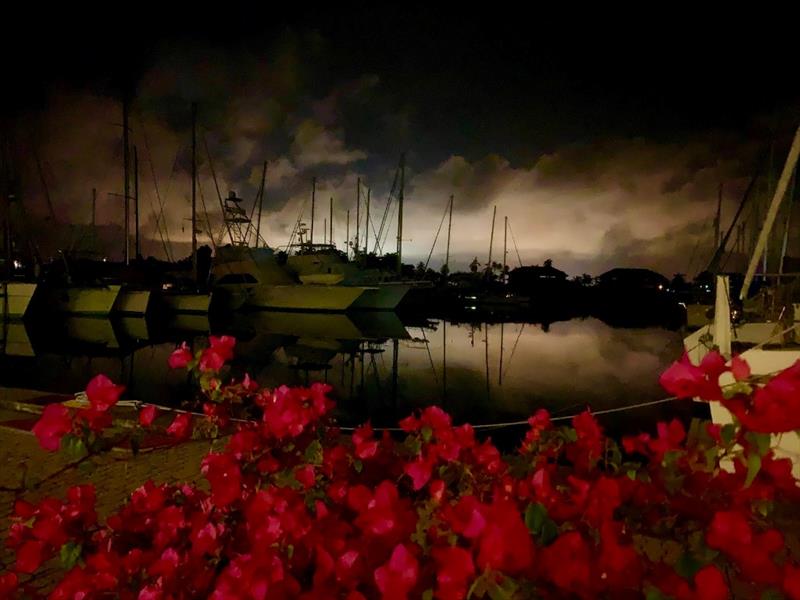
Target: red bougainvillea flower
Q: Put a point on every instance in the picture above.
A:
(180, 357)
(223, 473)
(774, 408)
(29, 556)
(709, 583)
(505, 543)
(420, 471)
(365, 445)
(218, 353)
(147, 415)
(454, 571)
(8, 583)
(567, 562)
(589, 446)
(398, 576)
(103, 393)
(181, 426)
(791, 581)
(54, 424)
(223, 345)
(739, 368)
(685, 380)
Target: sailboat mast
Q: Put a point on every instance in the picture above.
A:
(449, 227)
(330, 224)
(261, 202)
(491, 242)
(717, 219)
(94, 208)
(780, 191)
(126, 167)
(194, 191)
(400, 199)
(366, 224)
(505, 248)
(136, 200)
(358, 215)
(313, 205)
(347, 235)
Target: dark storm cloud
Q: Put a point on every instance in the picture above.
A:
(592, 168)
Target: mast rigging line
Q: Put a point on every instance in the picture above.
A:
(513, 239)
(162, 221)
(216, 186)
(436, 237)
(378, 243)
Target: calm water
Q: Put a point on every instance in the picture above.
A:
(380, 367)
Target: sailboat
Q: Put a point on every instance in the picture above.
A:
(324, 264)
(186, 297)
(768, 342)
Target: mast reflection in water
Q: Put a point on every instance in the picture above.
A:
(380, 368)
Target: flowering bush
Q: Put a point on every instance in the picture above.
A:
(297, 508)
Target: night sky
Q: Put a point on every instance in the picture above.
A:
(604, 139)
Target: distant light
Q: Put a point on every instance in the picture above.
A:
(661, 287)
(17, 264)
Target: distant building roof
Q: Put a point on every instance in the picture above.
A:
(633, 277)
(537, 272)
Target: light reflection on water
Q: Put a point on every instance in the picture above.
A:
(379, 368)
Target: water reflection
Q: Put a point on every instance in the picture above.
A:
(380, 367)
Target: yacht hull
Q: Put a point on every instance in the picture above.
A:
(328, 298)
(16, 298)
(132, 302)
(88, 301)
(188, 303)
(381, 297)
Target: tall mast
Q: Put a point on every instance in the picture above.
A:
(769, 220)
(449, 227)
(347, 235)
(194, 191)
(136, 199)
(313, 205)
(491, 242)
(717, 219)
(126, 167)
(505, 259)
(358, 215)
(325, 230)
(261, 202)
(400, 198)
(94, 208)
(330, 224)
(366, 224)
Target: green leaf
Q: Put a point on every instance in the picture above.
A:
(655, 594)
(427, 595)
(535, 516)
(734, 389)
(728, 433)
(549, 532)
(761, 442)
(570, 434)
(73, 446)
(687, 565)
(70, 553)
(358, 466)
(479, 587)
(753, 467)
(772, 594)
(313, 453)
(631, 473)
(427, 433)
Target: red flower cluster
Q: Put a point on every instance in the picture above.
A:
(296, 509)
